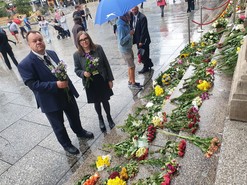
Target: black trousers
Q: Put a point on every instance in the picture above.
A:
(147, 62)
(6, 59)
(57, 122)
(23, 30)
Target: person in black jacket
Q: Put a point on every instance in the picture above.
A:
(191, 5)
(5, 49)
(141, 37)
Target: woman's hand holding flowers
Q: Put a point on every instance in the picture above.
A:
(87, 74)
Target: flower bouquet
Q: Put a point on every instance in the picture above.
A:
(91, 67)
(220, 24)
(60, 71)
(208, 145)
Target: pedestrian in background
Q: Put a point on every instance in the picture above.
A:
(36, 72)
(191, 5)
(6, 49)
(80, 13)
(77, 28)
(92, 66)
(141, 37)
(125, 42)
(44, 27)
(88, 13)
(161, 4)
(22, 28)
(27, 23)
(14, 30)
(58, 15)
(64, 24)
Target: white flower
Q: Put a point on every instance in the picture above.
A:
(171, 90)
(197, 101)
(137, 123)
(149, 104)
(154, 83)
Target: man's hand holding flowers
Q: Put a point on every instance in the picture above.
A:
(110, 84)
(62, 84)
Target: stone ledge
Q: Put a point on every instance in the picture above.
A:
(238, 95)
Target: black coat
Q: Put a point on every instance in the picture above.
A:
(141, 34)
(4, 45)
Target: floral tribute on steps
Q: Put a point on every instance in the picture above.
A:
(158, 140)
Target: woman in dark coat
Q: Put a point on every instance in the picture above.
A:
(93, 67)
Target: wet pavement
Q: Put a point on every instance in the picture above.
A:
(29, 151)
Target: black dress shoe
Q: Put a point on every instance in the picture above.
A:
(72, 150)
(144, 70)
(86, 134)
(102, 125)
(111, 123)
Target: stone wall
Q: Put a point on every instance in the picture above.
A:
(238, 96)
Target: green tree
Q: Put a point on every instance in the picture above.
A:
(23, 6)
(3, 12)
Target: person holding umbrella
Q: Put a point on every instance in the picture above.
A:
(141, 38)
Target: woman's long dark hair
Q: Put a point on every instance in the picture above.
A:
(91, 45)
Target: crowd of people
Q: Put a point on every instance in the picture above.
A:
(90, 64)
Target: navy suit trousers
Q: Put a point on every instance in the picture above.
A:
(57, 122)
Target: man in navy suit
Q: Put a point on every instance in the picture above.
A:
(49, 91)
(141, 37)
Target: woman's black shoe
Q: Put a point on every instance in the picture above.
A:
(102, 125)
(111, 123)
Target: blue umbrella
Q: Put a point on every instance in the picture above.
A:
(110, 9)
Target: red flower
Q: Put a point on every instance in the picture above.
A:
(180, 153)
(191, 124)
(182, 145)
(167, 180)
(114, 175)
(193, 131)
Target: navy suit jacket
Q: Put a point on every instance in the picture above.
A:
(43, 82)
(141, 34)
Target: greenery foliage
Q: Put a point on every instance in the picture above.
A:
(23, 6)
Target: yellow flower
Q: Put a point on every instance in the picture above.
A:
(166, 79)
(204, 85)
(238, 49)
(116, 181)
(184, 55)
(156, 121)
(124, 174)
(213, 63)
(193, 44)
(158, 90)
(203, 44)
(140, 152)
(102, 162)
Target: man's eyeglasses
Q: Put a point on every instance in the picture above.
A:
(83, 40)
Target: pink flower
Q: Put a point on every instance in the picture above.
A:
(167, 180)
(180, 61)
